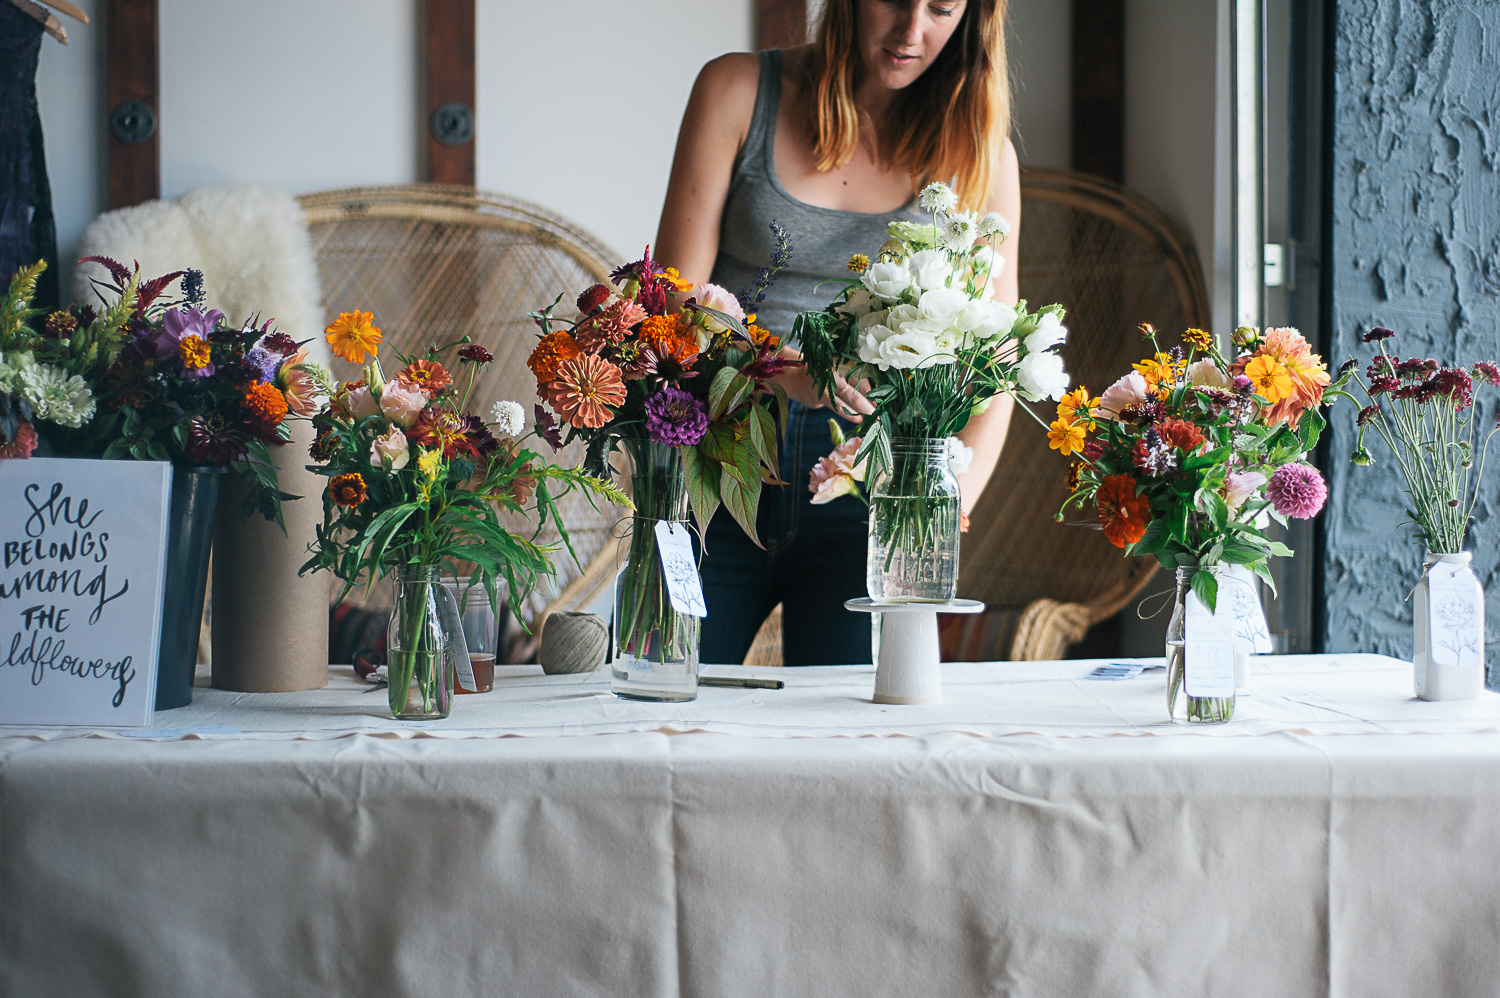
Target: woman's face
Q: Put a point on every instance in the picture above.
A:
(899, 39)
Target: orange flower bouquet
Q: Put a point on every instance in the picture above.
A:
(1190, 455)
(415, 483)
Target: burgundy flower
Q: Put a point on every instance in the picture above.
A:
(547, 428)
(279, 342)
(1486, 372)
(1380, 366)
(1377, 334)
(1416, 368)
(475, 354)
(1093, 450)
(593, 298)
(1366, 414)
(215, 439)
(1455, 385)
(1383, 383)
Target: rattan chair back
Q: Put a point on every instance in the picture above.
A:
(435, 263)
(1114, 260)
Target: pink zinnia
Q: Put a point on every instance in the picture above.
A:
(1297, 490)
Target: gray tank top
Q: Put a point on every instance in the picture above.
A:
(823, 239)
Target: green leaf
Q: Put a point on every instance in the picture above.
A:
(1154, 539)
(1207, 588)
(702, 475)
(1279, 550)
(719, 389)
(763, 436)
(740, 500)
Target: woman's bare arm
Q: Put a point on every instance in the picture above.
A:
(986, 431)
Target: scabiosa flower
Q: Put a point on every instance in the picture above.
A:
(937, 197)
(1297, 490)
(958, 232)
(476, 354)
(593, 298)
(508, 418)
(1366, 414)
(425, 375)
(215, 439)
(263, 363)
(1454, 384)
(1486, 373)
(21, 445)
(547, 428)
(348, 489)
(1384, 383)
(1380, 366)
(1416, 367)
(675, 418)
(584, 390)
(1376, 334)
(992, 223)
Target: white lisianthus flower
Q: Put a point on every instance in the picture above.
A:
(992, 223)
(912, 348)
(508, 418)
(1050, 332)
(960, 456)
(986, 259)
(55, 396)
(886, 280)
(714, 297)
(390, 450)
(1042, 377)
(942, 305)
(986, 318)
(958, 232)
(1239, 486)
(859, 303)
(937, 196)
(929, 269)
(1206, 374)
(870, 338)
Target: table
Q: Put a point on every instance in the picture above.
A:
(1039, 834)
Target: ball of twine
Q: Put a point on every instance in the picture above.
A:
(573, 642)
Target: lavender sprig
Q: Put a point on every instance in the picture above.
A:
(750, 300)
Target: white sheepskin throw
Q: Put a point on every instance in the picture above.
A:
(249, 240)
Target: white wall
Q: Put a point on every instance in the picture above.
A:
(1039, 45)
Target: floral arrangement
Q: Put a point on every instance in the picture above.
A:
(653, 357)
(416, 478)
(1187, 456)
(918, 327)
(842, 473)
(1427, 417)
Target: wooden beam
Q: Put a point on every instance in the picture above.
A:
(134, 166)
(782, 24)
(451, 117)
(1099, 88)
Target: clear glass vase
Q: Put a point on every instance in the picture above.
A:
(914, 520)
(419, 672)
(1180, 705)
(655, 646)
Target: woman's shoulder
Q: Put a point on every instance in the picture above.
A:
(731, 78)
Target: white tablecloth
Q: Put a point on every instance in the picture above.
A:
(281, 845)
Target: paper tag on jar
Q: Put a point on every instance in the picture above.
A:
(680, 569)
(1208, 648)
(1455, 615)
(1237, 589)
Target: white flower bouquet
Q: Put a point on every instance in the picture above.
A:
(919, 333)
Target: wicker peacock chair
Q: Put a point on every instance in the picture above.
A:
(435, 262)
(1114, 260)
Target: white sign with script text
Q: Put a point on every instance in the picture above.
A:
(83, 548)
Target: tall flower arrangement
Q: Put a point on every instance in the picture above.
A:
(417, 478)
(49, 362)
(1425, 414)
(1186, 457)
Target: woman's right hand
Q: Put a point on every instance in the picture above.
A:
(848, 401)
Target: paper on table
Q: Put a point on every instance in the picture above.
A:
(680, 568)
(1208, 646)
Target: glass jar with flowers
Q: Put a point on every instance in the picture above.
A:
(678, 377)
(416, 481)
(1189, 457)
(919, 328)
(1427, 417)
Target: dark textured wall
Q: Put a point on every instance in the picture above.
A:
(1416, 247)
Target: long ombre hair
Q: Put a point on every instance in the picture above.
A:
(949, 125)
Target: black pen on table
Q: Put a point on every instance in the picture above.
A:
(741, 683)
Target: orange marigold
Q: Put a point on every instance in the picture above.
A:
(195, 353)
(348, 489)
(1123, 514)
(264, 403)
(660, 328)
(550, 353)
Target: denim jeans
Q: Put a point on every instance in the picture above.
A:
(813, 560)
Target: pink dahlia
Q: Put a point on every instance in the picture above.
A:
(1297, 490)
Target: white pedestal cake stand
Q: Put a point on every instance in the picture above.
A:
(908, 668)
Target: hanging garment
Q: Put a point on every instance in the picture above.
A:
(28, 231)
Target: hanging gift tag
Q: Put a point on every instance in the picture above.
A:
(679, 568)
(1237, 590)
(458, 645)
(1455, 615)
(1209, 647)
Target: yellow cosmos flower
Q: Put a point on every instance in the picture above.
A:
(1076, 407)
(1066, 436)
(1272, 382)
(1160, 372)
(353, 335)
(194, 351)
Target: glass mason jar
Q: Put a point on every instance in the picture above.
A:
(421, 684)
(655, 646)
(1197, 710)
(914, 521)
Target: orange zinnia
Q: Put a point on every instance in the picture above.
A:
(425, 375)
(550, 353)
(353, 335)
(584, 389)
(1123, 514)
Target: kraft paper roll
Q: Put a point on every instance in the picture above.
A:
(573, 642)
(270, 628)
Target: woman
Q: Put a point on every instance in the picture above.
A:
(832, 140)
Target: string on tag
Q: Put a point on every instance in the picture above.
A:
(619, 534)
(1140, 608)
